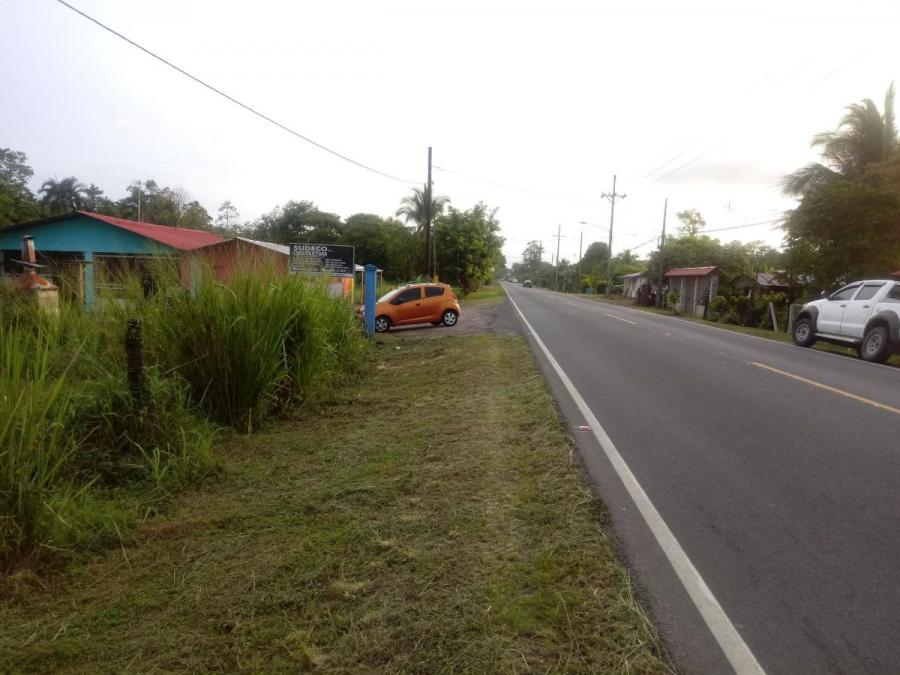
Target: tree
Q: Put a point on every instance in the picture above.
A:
(413, 207)
(299, 222)
(63, 196)
(17, 203)
(386, 243)
(847, 224)
(864, 137)
(593, 262)
(469, 246)
(691, 222)
(531, 257)
(228, 216)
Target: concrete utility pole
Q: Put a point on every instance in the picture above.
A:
(662, 268)
(580, 240)
(612, 197)
(558, 239)
(428, 216)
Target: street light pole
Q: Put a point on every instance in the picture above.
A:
(611, 196)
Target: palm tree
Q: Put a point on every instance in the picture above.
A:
(863, 137)
(92, 195)
(62, 196)
(413, 207)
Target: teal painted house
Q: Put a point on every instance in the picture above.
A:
(83, 246)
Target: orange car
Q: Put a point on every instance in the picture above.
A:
(417, 303)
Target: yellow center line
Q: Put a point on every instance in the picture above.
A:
(613, 316)
(833, 390)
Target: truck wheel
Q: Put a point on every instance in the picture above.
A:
(876, 345)
(803, 334)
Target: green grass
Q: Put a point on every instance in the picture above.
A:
(778, 336)
(412, 523)
(493, 294)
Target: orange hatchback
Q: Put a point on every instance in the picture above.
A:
(417, 303)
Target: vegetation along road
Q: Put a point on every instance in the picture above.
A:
(405, 522)
(757, 491)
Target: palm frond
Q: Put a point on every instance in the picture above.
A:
(808, 179)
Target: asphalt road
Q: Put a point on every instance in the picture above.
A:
(776, 469)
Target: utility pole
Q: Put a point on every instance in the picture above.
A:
(139, 201)
(428, 221)
(662, 244)
(558, 239)
(612, 197)
(578, 280)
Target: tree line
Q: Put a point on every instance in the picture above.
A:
(466, 242)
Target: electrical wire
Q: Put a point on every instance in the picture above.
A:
(232, 99)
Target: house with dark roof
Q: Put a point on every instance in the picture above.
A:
(82, 249)
(761, 282)
(695, 286)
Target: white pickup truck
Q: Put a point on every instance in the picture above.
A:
(864, 315)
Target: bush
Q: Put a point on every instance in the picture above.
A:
(80, 457)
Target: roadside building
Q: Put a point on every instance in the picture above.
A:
(83, 251)
(695, 286)
(761, 282)
(224, 257)
(631, 283)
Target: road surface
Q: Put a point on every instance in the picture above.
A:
(770, 535)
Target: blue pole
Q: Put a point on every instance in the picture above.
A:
(369, 300)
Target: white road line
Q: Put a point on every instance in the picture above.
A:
(633, 323)
(724, 632)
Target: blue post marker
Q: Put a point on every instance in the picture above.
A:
(369, 301)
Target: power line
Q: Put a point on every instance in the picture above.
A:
(514, 188)
(231, 98)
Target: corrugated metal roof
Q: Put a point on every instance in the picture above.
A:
(633, 275)
(692, 271)
(278, 248)
(180, 238)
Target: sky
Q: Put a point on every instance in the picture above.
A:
(531, 106)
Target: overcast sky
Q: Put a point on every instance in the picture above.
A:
(706, 103)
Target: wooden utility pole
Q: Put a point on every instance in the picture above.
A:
(662, 268)
(558, 239)
(428, 216)
(612, 197)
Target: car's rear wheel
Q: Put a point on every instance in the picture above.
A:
(449, 318)
(382, 324)
(803, 334)
(876, 345)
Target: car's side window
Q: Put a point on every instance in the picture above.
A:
(433, 291)
(894, 293)
(868, 291)
(408, 295)
(845, 293)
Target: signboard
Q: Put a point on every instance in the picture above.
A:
(327, 260)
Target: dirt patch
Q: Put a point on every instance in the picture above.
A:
(475, 319)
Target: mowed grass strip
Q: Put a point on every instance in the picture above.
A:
(429, 519)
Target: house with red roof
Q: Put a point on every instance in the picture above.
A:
(85, 249)
(695, 287)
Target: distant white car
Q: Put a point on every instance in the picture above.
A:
(864, 315)
(526, 283)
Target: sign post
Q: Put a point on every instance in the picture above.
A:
(369, 285)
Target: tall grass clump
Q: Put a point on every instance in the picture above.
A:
(35, 408)
(256, 344)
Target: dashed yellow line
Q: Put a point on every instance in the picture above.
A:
(833, 390)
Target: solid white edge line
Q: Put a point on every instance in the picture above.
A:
(732, 644)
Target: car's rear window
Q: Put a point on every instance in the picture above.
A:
(868, 291)
(433, 291)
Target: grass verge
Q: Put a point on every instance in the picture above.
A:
(778, 336)
(490, 295)
(413, 523)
